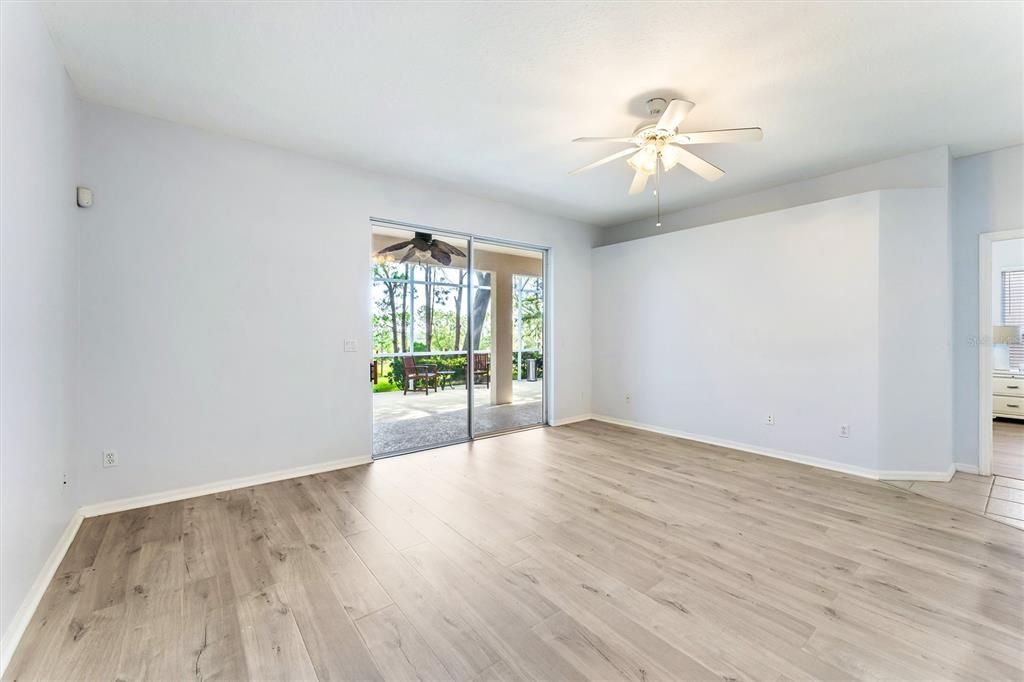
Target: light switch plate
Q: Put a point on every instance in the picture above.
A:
(350, 346)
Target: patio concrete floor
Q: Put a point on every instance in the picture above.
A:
(403, 422)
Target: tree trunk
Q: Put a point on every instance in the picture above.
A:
(481, 299)
(428, 306)
(458, 310)
(394, 316)
(405, 296)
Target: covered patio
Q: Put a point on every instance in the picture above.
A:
(405, 422)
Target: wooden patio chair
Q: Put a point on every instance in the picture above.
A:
(481, 370)
(414, 372)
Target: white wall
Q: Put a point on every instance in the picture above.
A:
(986, 197)
(38, 301)
(825, 314)
(915, 369)
(710, 329)
(928, 168)
(1007, 254)
(219, 280)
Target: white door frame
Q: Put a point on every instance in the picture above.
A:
(984, 343)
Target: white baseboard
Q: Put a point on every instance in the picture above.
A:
(12, 636)
(217, 487)
(940, 476)
(571, 420)
(967, 468)
(863, 472)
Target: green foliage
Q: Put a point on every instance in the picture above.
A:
(455, 363)
(527, 355)
(400, 290)
(528, 295)
(393, 370)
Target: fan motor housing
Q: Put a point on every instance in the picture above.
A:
(656, 105)
(644, 127)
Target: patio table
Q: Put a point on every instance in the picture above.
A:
(444, 378)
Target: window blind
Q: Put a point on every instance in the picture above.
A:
(1013, 310)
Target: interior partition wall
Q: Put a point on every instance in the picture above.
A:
(459, 328)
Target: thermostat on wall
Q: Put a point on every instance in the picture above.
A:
(84, 197)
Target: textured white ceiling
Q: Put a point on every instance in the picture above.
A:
(487, 96)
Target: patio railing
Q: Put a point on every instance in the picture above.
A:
(390, 371)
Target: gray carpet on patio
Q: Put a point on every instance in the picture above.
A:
(422, 432)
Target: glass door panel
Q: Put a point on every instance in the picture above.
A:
(420, 313)
(508, 378)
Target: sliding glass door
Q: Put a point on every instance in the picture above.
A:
(458, 327)
(510, 387)
(420, 316)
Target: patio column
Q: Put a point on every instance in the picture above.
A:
(501, 337)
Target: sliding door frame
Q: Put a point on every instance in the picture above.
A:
(471, 240)
(545, 254)
(380, 222)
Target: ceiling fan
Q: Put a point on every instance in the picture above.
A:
(660, 140)
(423, 248)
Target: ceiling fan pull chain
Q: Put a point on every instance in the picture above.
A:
(657, 191)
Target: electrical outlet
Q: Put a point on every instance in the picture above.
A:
(769, 420)
(844, 430)
(109, 459)
(629, 397)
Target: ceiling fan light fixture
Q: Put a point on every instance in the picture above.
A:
(657, 140)
(670, 156)
(645, 161)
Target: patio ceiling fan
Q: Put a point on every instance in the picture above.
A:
(660, 140)
(423, 248)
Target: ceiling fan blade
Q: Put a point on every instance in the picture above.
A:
(639, 182)
(396, 247)
(449, 249)
(439, 254)
(599, 162)
(674, 114)
(715, 136)
(700, 166)
(603, 139)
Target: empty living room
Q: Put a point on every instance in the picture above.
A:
(511, 340)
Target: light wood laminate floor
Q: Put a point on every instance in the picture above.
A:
(582, 552)
(1008, 448)
(997, 497)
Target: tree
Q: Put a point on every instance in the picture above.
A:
(481, 300)
(428, 305)
(458, 310)
(529, 298)
(405, 307)
(385, 279)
